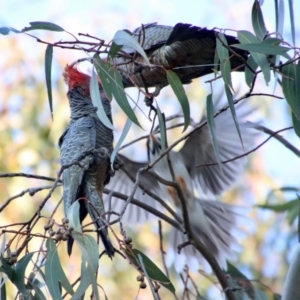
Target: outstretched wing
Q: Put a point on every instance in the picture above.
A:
(80, 136)
(199, 150)
(124, 184)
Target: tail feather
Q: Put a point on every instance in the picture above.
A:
(218, 237)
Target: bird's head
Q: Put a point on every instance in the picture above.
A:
(74, 78)
(154, 146)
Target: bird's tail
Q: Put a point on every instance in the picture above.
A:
(109, 248)
(218, 237)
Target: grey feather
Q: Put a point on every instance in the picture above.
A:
(87, 178)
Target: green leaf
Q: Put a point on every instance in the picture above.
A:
(89, 265)
(276, 297)
(292, 19)
(162, 128)
(246, 37)
(211, 126)
(280, 207)
(113, 85)
(238, 279)
(122, 38)
(232, 110)
(296, 124)
(178, 89)
(43, 25)
(154, 294)
(288, 86)
(74, 222)
(120, 141)
(260, 295)
(97, 101)
(54, 272)
(6, 268)
(297, 86)
(48, 64)
(2, 288)
(249, 75)
(263, 48)
(226, 71)
(279, 13)
(19, 273)
(7, 30)
(152, 270)
(222, 51)
(258, 21)
(224, 58)
(293, 213)
(38, 293)
(113, 50)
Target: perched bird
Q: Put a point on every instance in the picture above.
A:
(85, 132)
(186, 49)
(211, 221)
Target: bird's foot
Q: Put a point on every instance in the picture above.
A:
(118, 163)
(102, 154)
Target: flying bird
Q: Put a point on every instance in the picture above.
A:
(211, 221)
(85, 132)
(186, 49)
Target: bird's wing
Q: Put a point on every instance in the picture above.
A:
(151, 36)
(199, 150)
(79, 137)
(122, 183)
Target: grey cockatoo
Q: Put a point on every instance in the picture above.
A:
(186, 49)
(86, 132)
(211, 221)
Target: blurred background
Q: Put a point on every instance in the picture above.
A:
(29, 135)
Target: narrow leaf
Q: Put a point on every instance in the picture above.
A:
(222, 51)
(296, 124)
(292, 19)
(263, 47)
(6, 268)
(48, 64)
(289, 89)
(43, 25)
(280, 207)
(154, 294)
(152, 270)
(97, 101)
(74, 222)
(240, 280)
(246, 37)
(297, 85)
(120, 141)
(113, 85)
(89, 253)
(258, 21)
(211, 125)
(162, 128)
(232, 109)
(179, 91)
(54, 273)
(2, 288)
(113, 50)
(19, 273)
(249, 75)
(226, 71)
(122, 38)
(276, 297)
